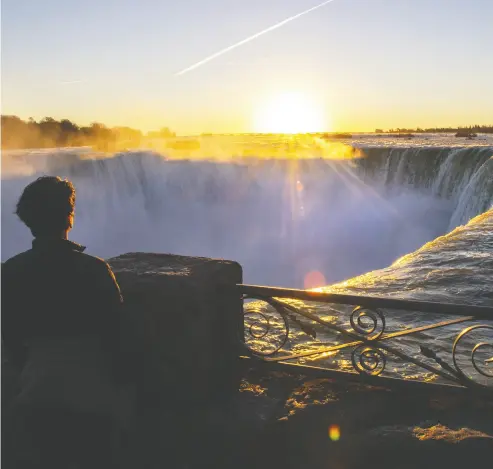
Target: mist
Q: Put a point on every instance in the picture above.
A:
(281, 219)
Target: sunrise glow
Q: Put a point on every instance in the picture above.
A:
(290, 113)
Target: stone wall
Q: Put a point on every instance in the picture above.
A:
(188, 317)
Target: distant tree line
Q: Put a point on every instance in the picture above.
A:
(473, 129)
(48, 132)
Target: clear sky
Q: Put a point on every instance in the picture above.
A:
(361, 64)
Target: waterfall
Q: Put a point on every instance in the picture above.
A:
(279, 218)
(463, 176)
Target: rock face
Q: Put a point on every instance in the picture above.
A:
(376, 427)
(188, 320)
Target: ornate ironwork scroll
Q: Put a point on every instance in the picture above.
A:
(263, 336)
(367, 322)
(469, 362)
(368, 360)
(480, 354)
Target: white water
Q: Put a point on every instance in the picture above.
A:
(280, 219)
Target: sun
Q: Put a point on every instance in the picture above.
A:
(289, 113)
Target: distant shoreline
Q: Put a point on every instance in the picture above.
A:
(18, 134)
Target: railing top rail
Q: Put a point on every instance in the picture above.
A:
(480, 312)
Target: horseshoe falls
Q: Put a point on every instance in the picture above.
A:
(306, 215)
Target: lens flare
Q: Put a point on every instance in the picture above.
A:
(334, 432)
(314, 279)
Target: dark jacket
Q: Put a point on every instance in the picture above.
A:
(54, 291)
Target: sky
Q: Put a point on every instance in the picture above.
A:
(357, 64)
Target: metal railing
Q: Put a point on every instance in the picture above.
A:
(281, 327)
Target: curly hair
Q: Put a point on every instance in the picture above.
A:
(47, 205)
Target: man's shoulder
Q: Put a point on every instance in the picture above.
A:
(17, 261)
(91, 261)
(94, 269)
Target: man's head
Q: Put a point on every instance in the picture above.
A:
(47, 206)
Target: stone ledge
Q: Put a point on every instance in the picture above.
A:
(188, 324)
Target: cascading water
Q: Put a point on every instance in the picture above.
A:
(477, 195)
(280, 218)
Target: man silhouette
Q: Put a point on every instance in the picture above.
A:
(61, 325)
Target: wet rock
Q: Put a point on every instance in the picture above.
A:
(466, 134)
(440, 432)
(450, 445)
(372, 427)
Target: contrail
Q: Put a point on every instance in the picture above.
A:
(251, 38)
